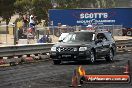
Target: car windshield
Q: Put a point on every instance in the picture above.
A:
(79, 37)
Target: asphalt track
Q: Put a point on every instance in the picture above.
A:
(46, 75)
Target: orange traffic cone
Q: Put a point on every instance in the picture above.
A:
(126, 69)
(75, 81)
(81, 71)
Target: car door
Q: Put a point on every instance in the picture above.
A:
(111, 41)
(99, 45)
(103, 46)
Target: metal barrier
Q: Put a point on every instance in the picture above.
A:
(16, 50)
(124, 45)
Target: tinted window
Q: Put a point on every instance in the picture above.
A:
(101, 36)
(79, 37)
(109, 36)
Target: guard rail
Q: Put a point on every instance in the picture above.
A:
(19, 50)
(124, 45)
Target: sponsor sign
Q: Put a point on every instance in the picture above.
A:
(82, 17)
(107, 78)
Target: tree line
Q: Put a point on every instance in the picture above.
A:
(40, 7)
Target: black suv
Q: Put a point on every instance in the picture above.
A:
(84, 45)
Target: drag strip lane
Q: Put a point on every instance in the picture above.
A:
(47, 75)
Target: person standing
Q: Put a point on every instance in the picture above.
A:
(25, 21)
(89, 27)
(30, 36)
(32, 22)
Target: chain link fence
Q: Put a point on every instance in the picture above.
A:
(7, 34)
(54, 31)
(116, 30)
(46, 34)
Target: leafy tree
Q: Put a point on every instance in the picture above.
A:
(23, 6)
(98, 3)
(84, 3)
(37, 7)
(67, 4)
(105, 3)
(6, 10)
(40, 9)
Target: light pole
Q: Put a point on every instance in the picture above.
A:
(14, 33)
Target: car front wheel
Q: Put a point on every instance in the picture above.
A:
(110, 56)
(92, 57)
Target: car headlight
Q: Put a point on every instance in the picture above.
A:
(82, 48)
(53, 49)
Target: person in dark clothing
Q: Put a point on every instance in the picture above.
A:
(45, 39)
(25, 21)
(21, 35)
(42, 40)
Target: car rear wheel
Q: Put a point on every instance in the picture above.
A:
(110, 56)
(56, 62)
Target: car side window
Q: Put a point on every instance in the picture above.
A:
(101, 36)
(109, 36)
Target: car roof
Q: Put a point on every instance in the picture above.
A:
(86, 31)
(103, 32)
(93, 31)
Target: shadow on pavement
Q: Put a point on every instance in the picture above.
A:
(98, 62)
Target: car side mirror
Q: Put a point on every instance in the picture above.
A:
(98, 41)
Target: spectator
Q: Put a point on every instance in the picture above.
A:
(25, 21)
(31, 22)
(89, 27)
(49, 39)
(30, 36)
(20, 33)
(42, 40)
(45, 39)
